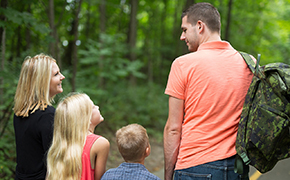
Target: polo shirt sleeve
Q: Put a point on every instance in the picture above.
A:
(175, 85)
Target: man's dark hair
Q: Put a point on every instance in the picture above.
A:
(204, 12)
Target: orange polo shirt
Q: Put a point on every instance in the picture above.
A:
(213, 82)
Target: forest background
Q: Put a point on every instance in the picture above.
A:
(119, 52)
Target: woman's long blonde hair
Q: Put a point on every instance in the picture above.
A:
(32, 91)
(71, 124)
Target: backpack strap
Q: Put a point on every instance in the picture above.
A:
(240, 162)
(240, 166)
(242, 159)
(251, 63)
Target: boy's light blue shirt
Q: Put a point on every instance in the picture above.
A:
(129, 171)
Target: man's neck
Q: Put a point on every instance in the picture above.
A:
(211, 37)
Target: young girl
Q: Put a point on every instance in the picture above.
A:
(76, 153)
(39, 81)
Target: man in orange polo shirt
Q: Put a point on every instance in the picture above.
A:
(206, 89)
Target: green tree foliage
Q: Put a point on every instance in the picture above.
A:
(103, 65)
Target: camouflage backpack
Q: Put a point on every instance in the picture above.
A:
(263, 136)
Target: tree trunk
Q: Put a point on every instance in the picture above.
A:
(4, 4)
(52, 45)
(74, 46)
(19, 42)
(3, 48)
(162, 39)
(227, 30)
(132, 35)
(102, 9)
(58, 43)
(27, 32)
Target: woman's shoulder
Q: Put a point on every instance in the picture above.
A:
(47, 110)
(45, 116)
(100, 143)
(50, 109)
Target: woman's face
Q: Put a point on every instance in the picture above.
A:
(96, 116)
(55, 81)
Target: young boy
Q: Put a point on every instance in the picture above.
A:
(133, 144)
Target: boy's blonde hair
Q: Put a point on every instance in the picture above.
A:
(132, 141)
(32, 91)
(71, 124)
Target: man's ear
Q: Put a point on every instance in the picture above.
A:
(200, 26)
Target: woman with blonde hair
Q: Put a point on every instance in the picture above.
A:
(76, 152)
(39, 81)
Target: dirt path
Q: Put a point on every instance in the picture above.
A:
(155, 161)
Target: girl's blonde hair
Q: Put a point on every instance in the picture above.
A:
(71, 125)
(32, 91)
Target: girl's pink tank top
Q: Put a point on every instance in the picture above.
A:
(88, 172)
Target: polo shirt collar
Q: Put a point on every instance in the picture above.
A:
(215, 45)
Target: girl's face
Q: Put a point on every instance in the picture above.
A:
(96, 116)
(55, 81)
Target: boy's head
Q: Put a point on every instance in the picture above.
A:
(133, 143)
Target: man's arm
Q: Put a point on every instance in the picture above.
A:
(172, 135)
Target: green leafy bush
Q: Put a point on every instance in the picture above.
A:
(7, 153)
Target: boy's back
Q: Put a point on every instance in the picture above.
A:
(129, 171)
